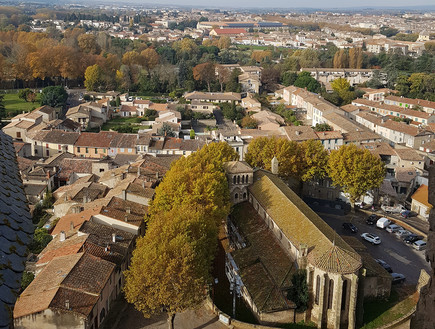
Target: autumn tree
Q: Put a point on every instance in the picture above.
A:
(93, 77)
(204, 72)
(150, 58)
(356, 171)
(249, 122)
(303, 161)
(88, 44)
(171, 263)
(224, 42)
(261, 55)
(223, 75)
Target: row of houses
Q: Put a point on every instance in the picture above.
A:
(80, 273)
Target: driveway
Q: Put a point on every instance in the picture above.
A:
(401, 257)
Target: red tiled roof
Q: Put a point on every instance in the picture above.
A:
(230, 31)
(101, 139)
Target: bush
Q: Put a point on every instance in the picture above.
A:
(26, 279)
(40, 240)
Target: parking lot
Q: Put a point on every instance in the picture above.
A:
(400, 256)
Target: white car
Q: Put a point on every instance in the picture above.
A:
(392, 228)
(372, 238)
(419, 245)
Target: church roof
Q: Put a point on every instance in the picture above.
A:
(237, 167)
(302, 226)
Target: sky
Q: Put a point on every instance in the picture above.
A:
(298, 4)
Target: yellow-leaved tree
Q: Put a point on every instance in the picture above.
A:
(171, 264)
(355, 170)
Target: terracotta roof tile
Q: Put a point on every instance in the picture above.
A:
(101, 139)
(422, 196)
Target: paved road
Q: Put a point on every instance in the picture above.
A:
(401, 257)
(202, 318)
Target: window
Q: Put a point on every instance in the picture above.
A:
(104, 150)
(96, 150)
(344, 295)
(316, 298)
(234, 179)
(238, 179)
(59, 147)
(122, 150)
(243, 179)
(130, 150)
(236, 196)
(247, 179)
(330, 293)
(87, 150)
(19, 135)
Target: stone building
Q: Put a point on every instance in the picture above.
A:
(334, 269)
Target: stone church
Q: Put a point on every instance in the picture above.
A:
(272, 233)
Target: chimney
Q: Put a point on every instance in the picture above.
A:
(274, 166)
(67, 304)
(157, 175)
(62, 236)
(71, 225)
(138, 172)
(126, 218)
(297, 132)
(128, 210)
(143, 184)
(113, 237)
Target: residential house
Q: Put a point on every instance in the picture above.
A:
(46, 143)
(123, 144)
(250, 103)
(426, 106)
(214, 97)
(74, 291)
(250, 82)
(420, 203)
(94, 145)
(327, 75)
(268, 120)
(202, 107)
(129, 111)
(331, 140)
(299, 133)
(88, 114)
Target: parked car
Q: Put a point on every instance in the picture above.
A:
(402, 233)
(350, 227)
(372, 219)
(419, 245)
(372, 238)
(398, 278)
(383, 222)
(392, 228)
(385, 265)
(408, 213)
(397, 209)
(412, 238)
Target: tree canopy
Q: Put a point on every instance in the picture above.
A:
(303, 161)
(171, 263)
(54, 96)
(355, 170)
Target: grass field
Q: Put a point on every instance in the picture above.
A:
(15, 105)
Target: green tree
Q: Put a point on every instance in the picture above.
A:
(305, 80)
(40, 240)
(26, 279)
(322, 127)
(298, 292)
(249, 122)
(192, 134)
(54, 96)
(166, 130)
(288, 78)
(2, 109)
(356, 171)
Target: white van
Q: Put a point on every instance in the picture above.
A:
(383, 222)
(419, 245)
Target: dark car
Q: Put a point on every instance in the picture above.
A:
(372, 219)
(412, 238)
(350, 227)
(385, 265)
(408, 213)
(398, 278)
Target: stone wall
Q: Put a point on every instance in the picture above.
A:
(424, 317)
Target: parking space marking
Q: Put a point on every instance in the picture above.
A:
(397, 256)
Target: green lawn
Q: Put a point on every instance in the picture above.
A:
(15, 105)
(377, 314)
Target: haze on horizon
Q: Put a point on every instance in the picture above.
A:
(293, 4)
